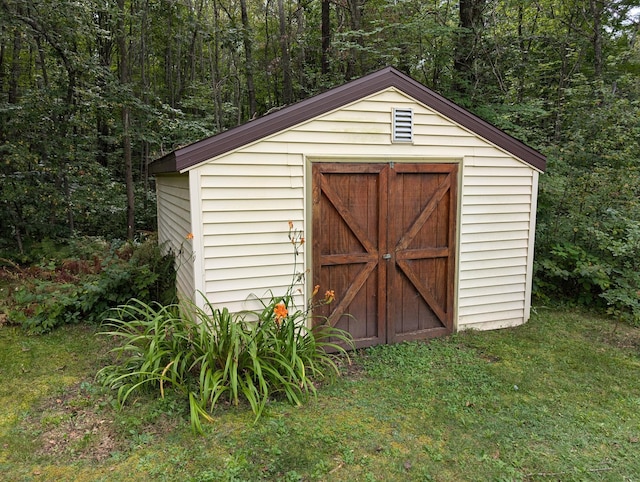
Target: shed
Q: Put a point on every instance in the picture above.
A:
(418, 214)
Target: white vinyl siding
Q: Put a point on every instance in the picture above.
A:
(174, 224)
(494, 243)
(249, 195)
(247, 203)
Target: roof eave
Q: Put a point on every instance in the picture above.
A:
(164, 165)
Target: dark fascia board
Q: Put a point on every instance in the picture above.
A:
(252, 131)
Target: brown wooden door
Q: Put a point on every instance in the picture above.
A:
(383, 240)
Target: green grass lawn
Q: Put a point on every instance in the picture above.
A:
(556, 399)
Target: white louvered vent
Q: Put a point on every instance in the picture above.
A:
(402, 125)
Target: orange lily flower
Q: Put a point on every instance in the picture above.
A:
(281, 312)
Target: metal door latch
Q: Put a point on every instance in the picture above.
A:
(386, 256)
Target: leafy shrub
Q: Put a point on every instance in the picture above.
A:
(84, 288)
(587, 248)
(618, 242)
(588, 241)
(211, 354)
(570, 272)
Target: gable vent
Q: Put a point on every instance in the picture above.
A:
(402, 125)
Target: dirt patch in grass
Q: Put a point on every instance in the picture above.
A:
(613, 333)
(74, 424)
(351, 368)
(80, 424)
(58, 412)
(624, 337)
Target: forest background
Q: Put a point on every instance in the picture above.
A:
(92, 90)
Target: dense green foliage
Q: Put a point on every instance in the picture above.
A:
(86, 279)
(588, 236)
(209, 355)
(91, 91)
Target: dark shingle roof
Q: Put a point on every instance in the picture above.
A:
(188, 156)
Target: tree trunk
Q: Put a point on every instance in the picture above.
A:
(42, 61)
(128, 172)
(15, 66)
(104, 48)
(123, 73)
(596, 8)
(326, 37)
(146, 88)
(194, 42)
(248, 53)
(287, 85)
(168, 64)
(67, 195)
(470, 23)
(2, 51)
(216, 82)
(355, 56)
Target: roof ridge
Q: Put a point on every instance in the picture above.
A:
(188, 156)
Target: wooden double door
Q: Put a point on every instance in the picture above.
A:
(384, 242)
